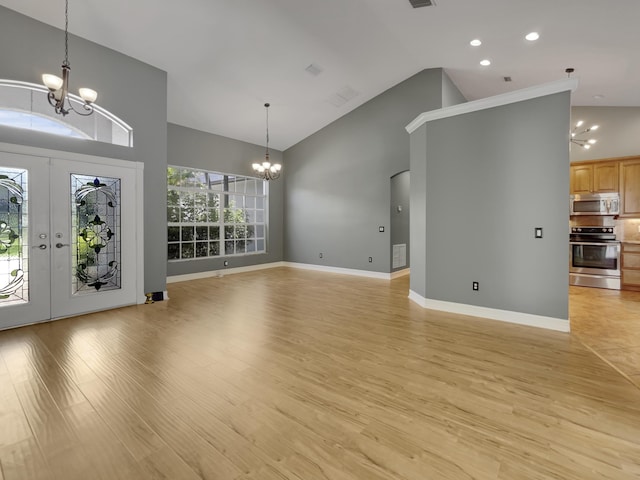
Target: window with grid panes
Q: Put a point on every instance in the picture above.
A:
(211, 214)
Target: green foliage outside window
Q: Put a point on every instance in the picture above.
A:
(211, 214)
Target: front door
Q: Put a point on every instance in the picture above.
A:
(67, 237)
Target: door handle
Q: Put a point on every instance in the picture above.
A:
(60, 245)
(41, 247)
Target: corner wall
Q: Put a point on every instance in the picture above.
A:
(337, 188)
(132, 90)
(196, 149)
(479, 188)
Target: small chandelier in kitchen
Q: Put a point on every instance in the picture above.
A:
(58, 95)
(266, 170)
(576, 135)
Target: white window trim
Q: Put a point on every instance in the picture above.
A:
(42, 90)
(221, 224)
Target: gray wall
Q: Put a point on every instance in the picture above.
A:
(482, 186)
(450, 93)
(400, 227)
(337, 180)
(192, 148)
(618, 134)
(134, 91)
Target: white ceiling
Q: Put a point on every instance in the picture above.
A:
(226, 58)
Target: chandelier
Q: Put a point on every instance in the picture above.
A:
(266, 170)
(576, 135)
(58, 95)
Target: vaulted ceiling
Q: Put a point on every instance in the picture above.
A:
(226, 58)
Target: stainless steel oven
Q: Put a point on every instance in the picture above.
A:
(594, 257)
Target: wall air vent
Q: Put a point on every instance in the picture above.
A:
(422, 3)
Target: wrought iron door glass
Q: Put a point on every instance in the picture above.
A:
(14, 244)
(95, 213)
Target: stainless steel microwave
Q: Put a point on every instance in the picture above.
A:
(595, 204)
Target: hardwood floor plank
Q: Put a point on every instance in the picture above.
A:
(128, 427)
(23, 460)
(297, 375)
(165, 464)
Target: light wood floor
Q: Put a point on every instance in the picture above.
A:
(608, 322)
(290, 374)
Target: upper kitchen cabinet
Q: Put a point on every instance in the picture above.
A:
(581, 178)
(594, 177)
(630, 187)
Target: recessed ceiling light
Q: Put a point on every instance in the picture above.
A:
(485, 63)
(475, 42)
(598, 97)
(533, 36)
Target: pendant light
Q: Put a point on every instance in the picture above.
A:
(266, 170)
(58, 95)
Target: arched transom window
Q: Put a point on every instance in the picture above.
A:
(25, 105)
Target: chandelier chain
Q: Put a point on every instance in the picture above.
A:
(267, 108)
(66, 33)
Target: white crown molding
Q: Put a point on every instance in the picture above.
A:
(519, 318)
(569, 84)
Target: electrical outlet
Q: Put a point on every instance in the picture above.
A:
(381, 229)
(320, 256)
(226, 263)
(476, 286)
(370, 259)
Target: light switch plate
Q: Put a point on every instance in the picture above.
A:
(381, 228)
(538, 232)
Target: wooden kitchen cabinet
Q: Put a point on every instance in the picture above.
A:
(605, 177)
(630, 266)
(594, 177)
(630, 187)
(581, 179)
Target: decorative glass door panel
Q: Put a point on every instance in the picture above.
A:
(14, 244)
(24, 239)
(68, 237)
(96, 234)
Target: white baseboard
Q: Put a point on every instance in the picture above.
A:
(340, 270)
(400, 273)
(223, 272)
(303, 266)
(520, 318)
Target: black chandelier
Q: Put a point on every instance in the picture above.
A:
(58, 95)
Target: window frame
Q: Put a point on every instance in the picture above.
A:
(212, 212)
(31, 99)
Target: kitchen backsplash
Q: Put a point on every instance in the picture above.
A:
(626, 229)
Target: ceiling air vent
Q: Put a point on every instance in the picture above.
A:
(422, 3)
